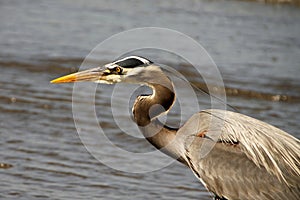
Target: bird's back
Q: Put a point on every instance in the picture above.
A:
(241, 157)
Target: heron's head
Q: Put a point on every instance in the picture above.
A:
(132, 69)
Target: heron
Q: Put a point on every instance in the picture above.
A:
(249, 159)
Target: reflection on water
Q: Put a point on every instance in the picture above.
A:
(256, 47)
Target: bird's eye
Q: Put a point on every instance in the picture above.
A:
(118, 70)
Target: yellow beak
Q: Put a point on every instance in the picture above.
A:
(95, 74)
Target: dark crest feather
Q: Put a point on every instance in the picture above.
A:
(132, 62)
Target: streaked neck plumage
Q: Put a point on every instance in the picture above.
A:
(146, 109)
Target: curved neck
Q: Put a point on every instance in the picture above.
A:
(148, 107)
(145, 111)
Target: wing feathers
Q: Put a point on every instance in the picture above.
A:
(266, 145)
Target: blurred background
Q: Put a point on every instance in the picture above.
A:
(255, 45)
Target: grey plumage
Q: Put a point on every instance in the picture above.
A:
(233, 155)
(251, 159)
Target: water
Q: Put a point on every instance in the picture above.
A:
(256, 47)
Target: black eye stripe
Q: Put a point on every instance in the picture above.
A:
(132, 62)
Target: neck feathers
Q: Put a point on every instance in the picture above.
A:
(148, 107)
